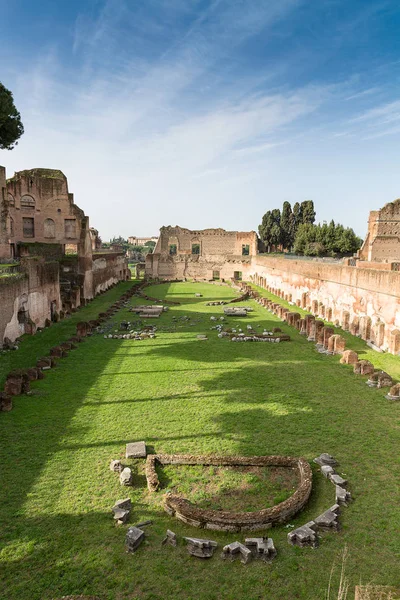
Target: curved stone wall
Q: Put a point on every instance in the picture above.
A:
(227, 520)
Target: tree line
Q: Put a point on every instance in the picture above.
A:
(296, 231)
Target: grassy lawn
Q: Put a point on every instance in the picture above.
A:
(183, 395)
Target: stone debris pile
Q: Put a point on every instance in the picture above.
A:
(306, 535)
(149, 311)
(220, 303)
(237, 311)
(138, 335)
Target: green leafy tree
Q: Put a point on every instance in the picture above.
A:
(307, 212)
(286, 224)
(11, 127)
(264, 230)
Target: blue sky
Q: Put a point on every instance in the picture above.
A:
(207, 113)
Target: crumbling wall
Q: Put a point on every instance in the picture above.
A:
(27, 300)
(363, 301)
(200, 254)
(108, 269)
(382, 242)
(37, 207)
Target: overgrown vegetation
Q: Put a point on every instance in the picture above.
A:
(182, 395)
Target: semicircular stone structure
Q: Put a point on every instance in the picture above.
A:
(219, 520)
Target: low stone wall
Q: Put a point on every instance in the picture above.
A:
(227, 520)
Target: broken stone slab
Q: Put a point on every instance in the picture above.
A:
(121, 515)
(325, 459)
(337, 480)
(304, 536)
(170, 538)
(136, 450)
(328, 521)
(327, 470)
(262, 548)
(125, 504)
(342, 497)
(201, 336)
(200, 548)
(116, 466)
(125, 477)
(237, 549)
(134, 537)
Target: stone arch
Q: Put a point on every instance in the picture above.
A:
(49, 230)
(11, 199)
(27, 202)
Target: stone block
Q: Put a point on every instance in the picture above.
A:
(342, 496)
(380, 379)
(394, 392)
(261, 548)
(170, 538)
(337, 480)
(136, 450)
(364, 367)
(200, 548)
(125, 477)
(328, 521)
(304, 536)
(134, 537)
(325, 459)
(116, 466)
(327, 470)
(349, 357)
(236, 549)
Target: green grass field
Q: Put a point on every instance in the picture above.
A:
(180, 394)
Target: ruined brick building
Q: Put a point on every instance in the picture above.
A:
(382, 243)
(360, 295)
(207, 254)
(61, 264)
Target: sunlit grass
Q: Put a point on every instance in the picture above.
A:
(187, 396)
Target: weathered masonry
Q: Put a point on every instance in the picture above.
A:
(207, 254)
(382, 243)
(364, 301)
(60, 265)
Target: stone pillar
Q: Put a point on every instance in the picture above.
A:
(345, 320)
(311, 331)
(309, 319)
(355, 326)
(314, 307)
(303, 327)
(303, 300)
(327, 333)
(394, 342)
(319, 334)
